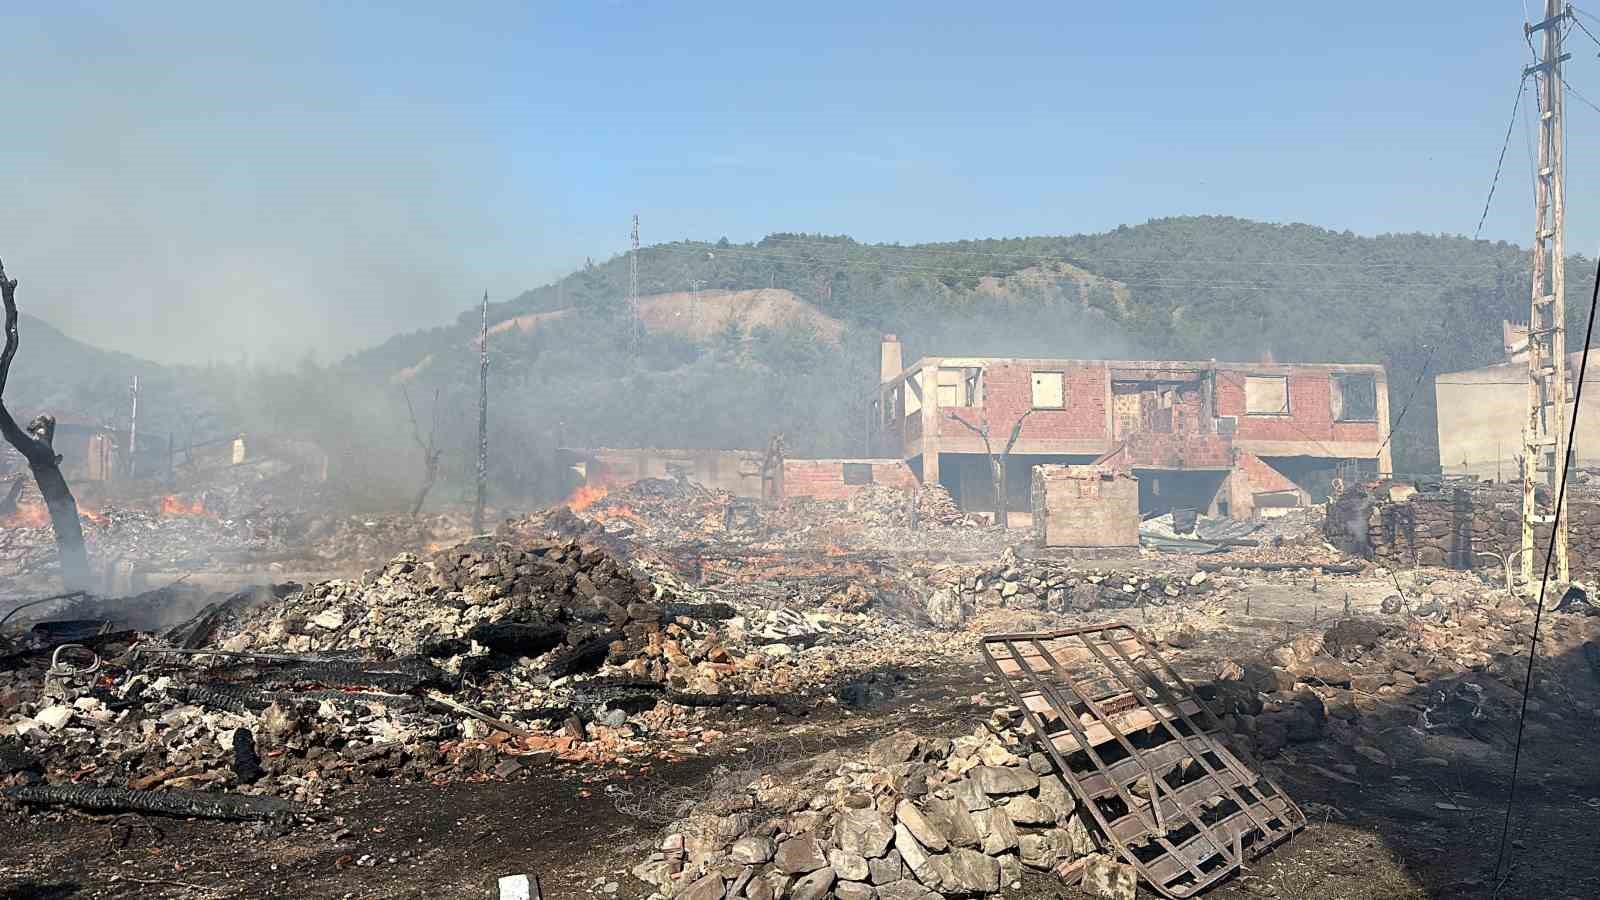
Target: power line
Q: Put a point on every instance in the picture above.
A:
(1544, 584)
(1522, 87)
(1581, 98)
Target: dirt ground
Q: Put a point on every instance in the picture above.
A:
(1387, 833)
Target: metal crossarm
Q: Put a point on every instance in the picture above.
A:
(1142, 754)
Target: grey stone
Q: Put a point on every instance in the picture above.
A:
(769, 885)
(741, 880)
(997, 781)
(926, 833)
(1107, 878)
(1040, 764)
(936, 874)
(971, 796)
(1054, 794)
(753, 850)
(708, 887)
(1042, 850)
(972, 873)
(911, 852)
(848, 866)
(999, 834)
(854, 890)
(864, 832)
(1079, 841)
(655, 872)
(1025, 810)
(953, 821)
(800, 855)
(905, 890)
(814, 886)
(1010, 869)
(902, 746)
(889, 868)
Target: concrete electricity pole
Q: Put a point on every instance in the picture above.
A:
(634, 324)
(133, 429)
(483, 419)
(1545, 448)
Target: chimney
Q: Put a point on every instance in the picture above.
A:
(891, 364)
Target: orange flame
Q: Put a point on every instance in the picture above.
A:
(173, 505)
(29, 515)
(584, 497)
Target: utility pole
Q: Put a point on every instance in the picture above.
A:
(133, 429)
(694, 305)
(1544, 435)
(634, 325)
(483, 419)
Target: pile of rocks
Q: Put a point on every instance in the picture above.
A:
(1450, 663)
(956, 592)
(470, 661)
(914, 818)
(935, 507)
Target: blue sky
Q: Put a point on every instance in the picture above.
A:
(197, 181)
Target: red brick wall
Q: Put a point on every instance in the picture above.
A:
(1008, 393)
(1262, 477)
(1310, 415)
(823, 479)
(1153, 450)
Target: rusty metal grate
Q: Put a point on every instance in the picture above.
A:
(1141, 753)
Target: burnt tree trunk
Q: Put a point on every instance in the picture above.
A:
(37, 446)
(997, 463)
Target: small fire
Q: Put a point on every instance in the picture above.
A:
(91, 516)
(173, 505)
(584, 497)
(29, 515)
(620, 511)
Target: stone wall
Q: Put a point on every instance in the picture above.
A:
(1085, 506)
(1451, 525)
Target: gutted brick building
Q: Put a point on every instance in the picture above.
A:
(1224, 438)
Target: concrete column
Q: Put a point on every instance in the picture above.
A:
(928, 379)
(1386, 455)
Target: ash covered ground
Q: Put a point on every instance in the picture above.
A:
(668, 691)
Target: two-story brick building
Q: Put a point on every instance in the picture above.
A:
(1225, 438)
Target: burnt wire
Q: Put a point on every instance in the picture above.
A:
(1433, 346)
(1544, 584)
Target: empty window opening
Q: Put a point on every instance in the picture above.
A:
(1355, 397)
(959, 387)
(857, 473)
(1049, 390)
(1266, 395)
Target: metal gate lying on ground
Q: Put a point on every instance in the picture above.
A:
(1140, 752)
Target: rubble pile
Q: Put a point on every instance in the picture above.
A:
(935, 507)
(668, 511)
(956, 592)
(468, 662)
(1449, 663)
(913, 817)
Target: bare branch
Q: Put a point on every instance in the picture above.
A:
(416, 430)
(1016, 432)
(30, 448)
(982, 431)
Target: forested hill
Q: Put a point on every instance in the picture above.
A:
(1186, 288)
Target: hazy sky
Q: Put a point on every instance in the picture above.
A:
(194, 182)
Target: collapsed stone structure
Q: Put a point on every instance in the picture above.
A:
(1458, 525)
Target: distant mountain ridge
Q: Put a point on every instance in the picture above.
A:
(1193, 287)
